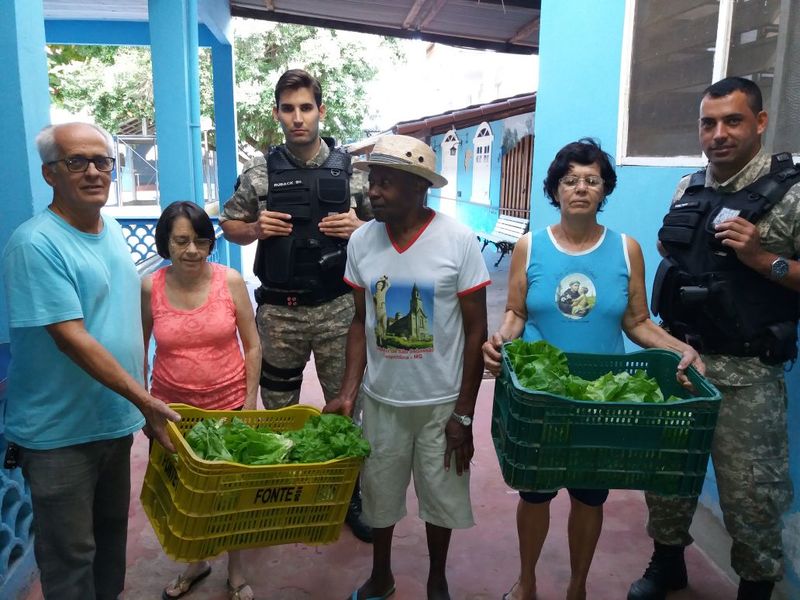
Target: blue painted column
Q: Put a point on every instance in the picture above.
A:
(225, 127)
(173, 41)
(24, 110)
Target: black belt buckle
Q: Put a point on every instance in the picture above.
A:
(291, 298)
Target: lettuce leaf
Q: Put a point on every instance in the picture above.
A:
(322, 438)
(207, 441)
(325, 437)
(542, 367)
(541, 354)
(624, 387)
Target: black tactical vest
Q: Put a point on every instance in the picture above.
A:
(704, 294)
(306, 263)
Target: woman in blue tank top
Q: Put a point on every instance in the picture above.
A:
(579, 286)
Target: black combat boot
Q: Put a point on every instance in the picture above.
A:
(755, 590)
(666, 573)
(353, 517)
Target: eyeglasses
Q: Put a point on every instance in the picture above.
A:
(79, 164)
(591, 181)
(203, 244)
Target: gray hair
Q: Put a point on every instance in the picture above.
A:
(49, 150)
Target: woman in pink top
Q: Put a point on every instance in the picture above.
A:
(195, 309)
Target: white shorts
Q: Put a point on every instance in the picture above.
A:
(408, 440)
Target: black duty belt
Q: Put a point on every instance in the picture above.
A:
(290, 298)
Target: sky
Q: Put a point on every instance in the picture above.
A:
(437, 78)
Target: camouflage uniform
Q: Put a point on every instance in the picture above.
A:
(289, 334)
(750, 448)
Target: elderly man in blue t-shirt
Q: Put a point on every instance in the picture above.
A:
(75, 394)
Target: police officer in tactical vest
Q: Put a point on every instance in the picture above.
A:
(300, 205)
(728, 285)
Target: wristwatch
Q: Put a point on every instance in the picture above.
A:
(465, 420)
(779, 269)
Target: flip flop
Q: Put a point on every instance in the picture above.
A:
(188, 582)
(507, 595)
(385, 595)
(235, 593)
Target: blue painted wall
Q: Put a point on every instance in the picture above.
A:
(24, 110)
(580, 54)
(480, 217)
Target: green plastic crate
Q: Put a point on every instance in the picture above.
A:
(546, 442)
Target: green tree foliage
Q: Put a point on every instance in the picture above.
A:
(343, 67)
(60, 57)
(114, 84)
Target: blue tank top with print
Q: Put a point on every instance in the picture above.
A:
(576, 300)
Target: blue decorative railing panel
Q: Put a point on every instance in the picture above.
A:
(141, 237)
(16, 514)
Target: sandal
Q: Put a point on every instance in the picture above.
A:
(235, 593)
(383, 596)
(184, 584)
(507, 595)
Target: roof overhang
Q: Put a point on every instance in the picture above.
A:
(468, 116)
(214, 14)
(424, 127)
(500, 25)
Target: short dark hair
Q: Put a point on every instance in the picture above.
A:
(725, 87)
(585, 151)
(294, 79)
(201, 223)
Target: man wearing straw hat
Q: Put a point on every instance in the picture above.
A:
(422, 375)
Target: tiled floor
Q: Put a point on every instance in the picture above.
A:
(483, 561)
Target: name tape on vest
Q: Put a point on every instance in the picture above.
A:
(282, 184)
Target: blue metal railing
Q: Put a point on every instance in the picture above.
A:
(141, 237)
(16, 514)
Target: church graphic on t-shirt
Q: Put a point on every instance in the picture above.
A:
(403, 314)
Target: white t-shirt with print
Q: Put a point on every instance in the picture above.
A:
(414, 328)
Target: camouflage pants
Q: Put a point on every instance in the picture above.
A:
(751, 462)
(289, 334)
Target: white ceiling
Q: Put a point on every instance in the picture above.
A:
(101, 10)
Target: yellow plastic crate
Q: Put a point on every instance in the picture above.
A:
(200, 508)
(280, 485)
(219, 534)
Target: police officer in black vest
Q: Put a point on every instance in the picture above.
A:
(299, 203)
(728, 285)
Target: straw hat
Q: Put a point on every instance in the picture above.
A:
(404, 153)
